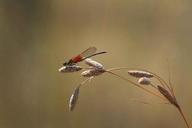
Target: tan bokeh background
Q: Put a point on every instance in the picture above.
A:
(36, 36)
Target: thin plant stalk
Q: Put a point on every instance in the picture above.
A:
(152, 85)
(165, 89)
(74, 97)
(163, 83)
(170, 88)
(137, 85)
(85, 81)
(183, 116)
(145, 102)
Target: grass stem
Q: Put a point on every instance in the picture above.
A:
(137, 85)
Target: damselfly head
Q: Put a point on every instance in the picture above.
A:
(69, 68)
(70, 62)
(64, 64)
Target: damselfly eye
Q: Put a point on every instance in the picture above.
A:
(64, 64)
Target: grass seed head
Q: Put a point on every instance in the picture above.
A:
(144, 81)
(168, 96)
(93, 63)
(139, 74)
(70, 68)
(73, 99)
(92, 72)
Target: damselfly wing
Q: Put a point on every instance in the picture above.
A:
(91, 51)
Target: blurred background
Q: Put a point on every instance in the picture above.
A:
(37, 36)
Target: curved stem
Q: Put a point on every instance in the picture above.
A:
(119, 68)
(152, 85)
(85, 81)
(145, 102)
(163, 83)
(135, 84)
(183, 116)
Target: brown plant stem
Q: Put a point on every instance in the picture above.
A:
(163, 83)
(183, 116)
(137, 85)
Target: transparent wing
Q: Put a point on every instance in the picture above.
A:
(88, 52)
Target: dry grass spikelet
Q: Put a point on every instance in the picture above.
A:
(168, 96)
(93, 63)
(144, 81)
(139, 74)
(73, 99)
(92, 72)
(69, 68)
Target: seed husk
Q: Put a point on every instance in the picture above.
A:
(92, 72)
(73, 99)
(93, 63)
(144, 81)
(139, 74)
(168, 96)
(70, 68)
